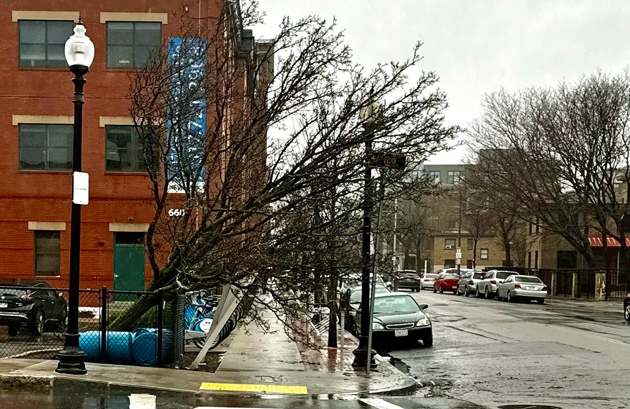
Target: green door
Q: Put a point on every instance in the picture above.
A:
(128, 264)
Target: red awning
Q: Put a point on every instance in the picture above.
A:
(596, 240)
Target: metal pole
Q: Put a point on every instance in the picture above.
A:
(104, 324)
(459, 228)
(373, 285)
(71, 357)
(361, 353)
(396, 262)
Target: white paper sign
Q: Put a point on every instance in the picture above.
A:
(80, 188)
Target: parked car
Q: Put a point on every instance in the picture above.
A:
(407, 279)
(34, 308)
(427, 280)
(626, 308)
(353, 303)
(488, 286)
(522, 287)
(446, 282)
(398, 318)
(468, 283)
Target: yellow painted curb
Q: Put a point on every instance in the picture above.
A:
(243, 387)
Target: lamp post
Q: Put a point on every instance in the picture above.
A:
(79, 51)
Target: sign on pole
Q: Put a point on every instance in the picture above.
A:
(80, 188)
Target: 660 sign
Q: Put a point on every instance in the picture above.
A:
(176, 212)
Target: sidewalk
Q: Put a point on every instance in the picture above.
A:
(255, 362)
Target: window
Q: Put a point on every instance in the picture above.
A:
(123, 149)
(454, 177)
(129, 44)
(449, 263)
(45, 147)
(469, 264)
(536, 259)
(483, 254)
(449, 244)
(434, 176)
(469, 244)
(42, 43)
(47, 244)
(529, 259)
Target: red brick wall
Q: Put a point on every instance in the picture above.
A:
(46, 196)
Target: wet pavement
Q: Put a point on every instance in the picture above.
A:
(69, 397)
(517, 355)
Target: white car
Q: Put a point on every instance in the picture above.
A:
(428, 280)
(522, 287)
(488, 286)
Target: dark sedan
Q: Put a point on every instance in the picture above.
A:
(398, 318)
(626, 308)
(32, 304)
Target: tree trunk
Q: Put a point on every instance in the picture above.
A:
(508, 255)
(475, 254)
(332, 317)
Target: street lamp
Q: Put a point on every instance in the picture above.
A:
(79, 53)
(370, 116)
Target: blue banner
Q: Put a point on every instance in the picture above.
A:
(187, 58)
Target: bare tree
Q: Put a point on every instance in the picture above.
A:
(248, 196)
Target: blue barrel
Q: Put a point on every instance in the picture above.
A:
(144, 346)
(119, 346)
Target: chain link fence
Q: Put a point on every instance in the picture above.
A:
(33, 322)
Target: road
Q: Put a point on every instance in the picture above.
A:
(494, 353)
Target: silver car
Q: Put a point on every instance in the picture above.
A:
(468, 284)
(488, 286)
(522, 287)
(428, 280)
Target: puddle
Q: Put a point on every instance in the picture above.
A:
(400, 365)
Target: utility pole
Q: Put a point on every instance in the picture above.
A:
(458, 260)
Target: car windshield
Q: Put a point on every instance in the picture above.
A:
(527, 280)
(505, 274)
(450, 277)
(430, 276)
(398, 304)
(479, 276)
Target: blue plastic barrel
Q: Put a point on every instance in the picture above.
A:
(144, 346)
(119, 345)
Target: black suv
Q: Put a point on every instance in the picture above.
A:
(31, 304)
(407, 279)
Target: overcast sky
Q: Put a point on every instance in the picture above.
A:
(477, 46)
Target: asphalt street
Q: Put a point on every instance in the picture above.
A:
(497, 354)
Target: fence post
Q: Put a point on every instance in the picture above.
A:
(574, 285)
(104, 324)
(160, 324)
(554, 283)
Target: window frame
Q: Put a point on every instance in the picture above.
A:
(46, 44)
(46, 168)
(36, 253)
(470, 244)
(450, 177)
(481, 251)
(137, 147)
(454, 244)
(133, 65)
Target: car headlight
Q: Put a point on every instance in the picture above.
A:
(423, 322)
(376, 325)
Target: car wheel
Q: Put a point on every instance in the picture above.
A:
(542, 301)
(434, 290)
(37, 326)
(509, 297)
(13, 330)
(477, 293)
(487, 294)
(467, 292)
(441, 290)
(428, 340)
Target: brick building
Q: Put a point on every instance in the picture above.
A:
(36, 131)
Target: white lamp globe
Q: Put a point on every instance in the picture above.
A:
(79, 49)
